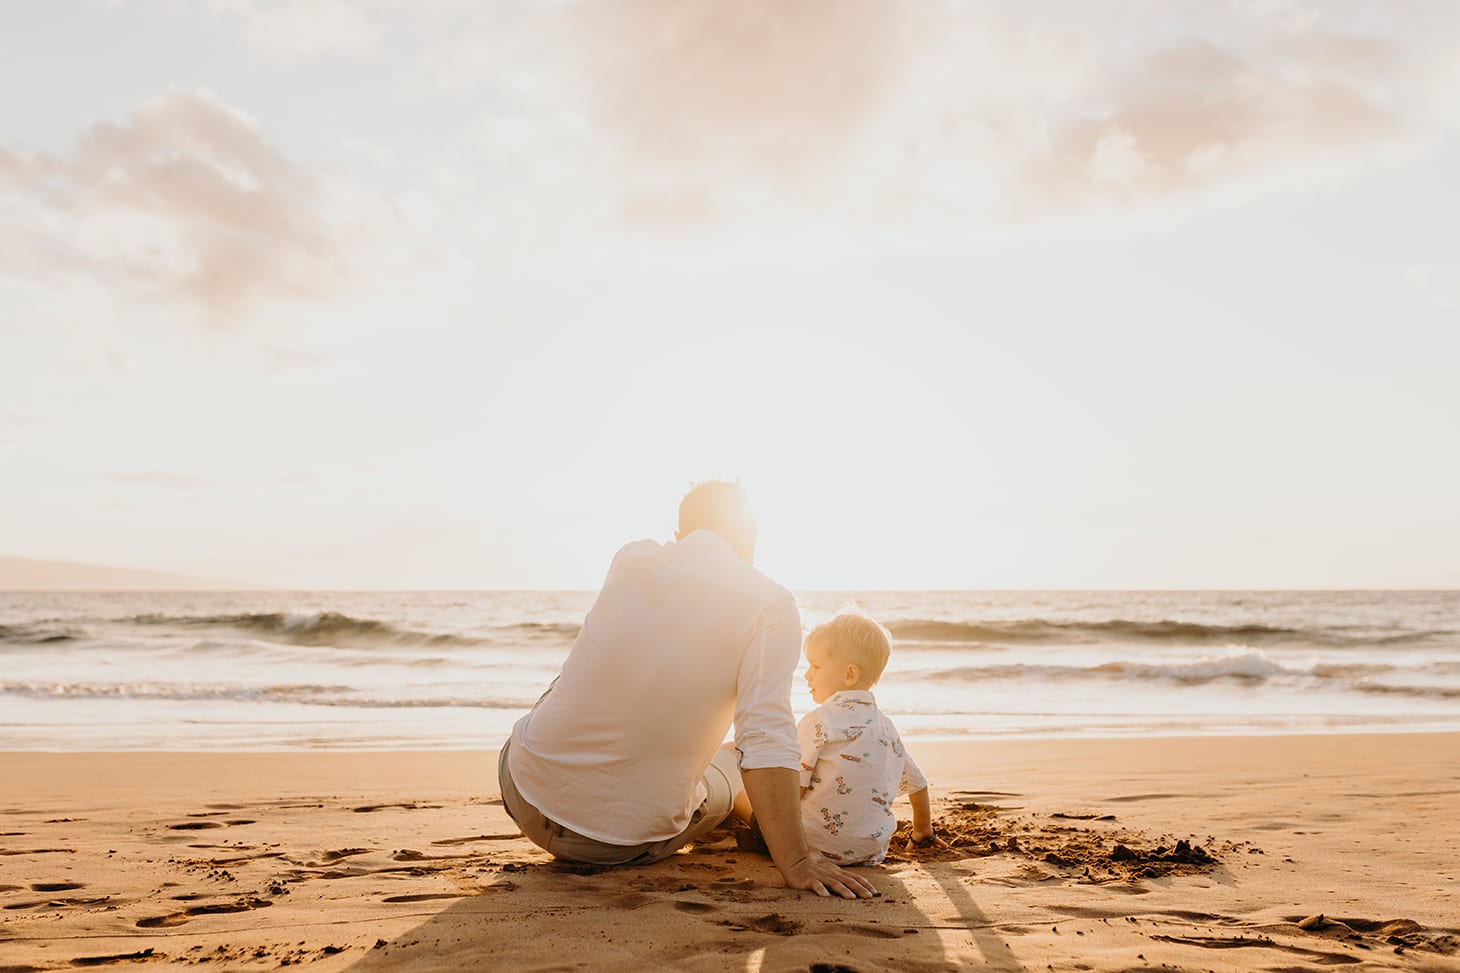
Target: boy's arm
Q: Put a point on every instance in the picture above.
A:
(922, 822)
(915, 785)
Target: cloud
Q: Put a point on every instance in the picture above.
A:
(983, 111)
(172, 481)
(187, 201)
(1198, 117)
(758, 84)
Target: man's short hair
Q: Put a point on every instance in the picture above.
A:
(854, 636)
(722, 506)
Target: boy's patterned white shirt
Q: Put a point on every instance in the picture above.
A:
(853, 765)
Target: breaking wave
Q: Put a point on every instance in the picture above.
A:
(1416, 692)
(32, 635)
(1244, 667)
(336, 628)
(211, 692)
(1039, 630)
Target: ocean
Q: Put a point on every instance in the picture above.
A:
(430, 670)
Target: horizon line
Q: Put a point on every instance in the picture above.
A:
(267, 589)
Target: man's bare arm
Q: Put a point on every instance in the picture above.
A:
(775, 795)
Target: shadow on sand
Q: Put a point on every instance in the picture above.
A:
(711, 908)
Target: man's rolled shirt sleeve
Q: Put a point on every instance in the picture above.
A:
(765, 730)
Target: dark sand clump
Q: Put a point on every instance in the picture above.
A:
(1093, 846)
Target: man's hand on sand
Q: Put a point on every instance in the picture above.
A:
(815, 874)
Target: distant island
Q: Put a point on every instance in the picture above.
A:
(25, 574)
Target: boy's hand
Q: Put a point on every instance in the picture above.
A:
(924, 839)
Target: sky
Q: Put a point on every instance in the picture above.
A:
(985, 294)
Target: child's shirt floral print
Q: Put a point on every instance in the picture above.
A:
(852, 764)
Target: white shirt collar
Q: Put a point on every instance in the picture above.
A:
(852, 696)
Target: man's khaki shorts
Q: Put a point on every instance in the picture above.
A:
(722, 783)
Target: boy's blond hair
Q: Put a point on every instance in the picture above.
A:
(854, 636)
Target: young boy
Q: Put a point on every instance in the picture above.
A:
(852, 761)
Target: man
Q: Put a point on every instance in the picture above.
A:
(620, 760)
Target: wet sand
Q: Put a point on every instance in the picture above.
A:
(1244, 853)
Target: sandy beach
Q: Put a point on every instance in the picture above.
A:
(1243, 853)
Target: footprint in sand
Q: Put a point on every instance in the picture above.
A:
(55, 903)
(695, 908)
(246, 904)
(775, 924)
(226, 847)
(411, 855)
(662, 883)
(629, 901)
(1400, 933)
(206, 825)
(731, 882)
(1259, 942)
(236, 859)
(108, 960)
(62, 903)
